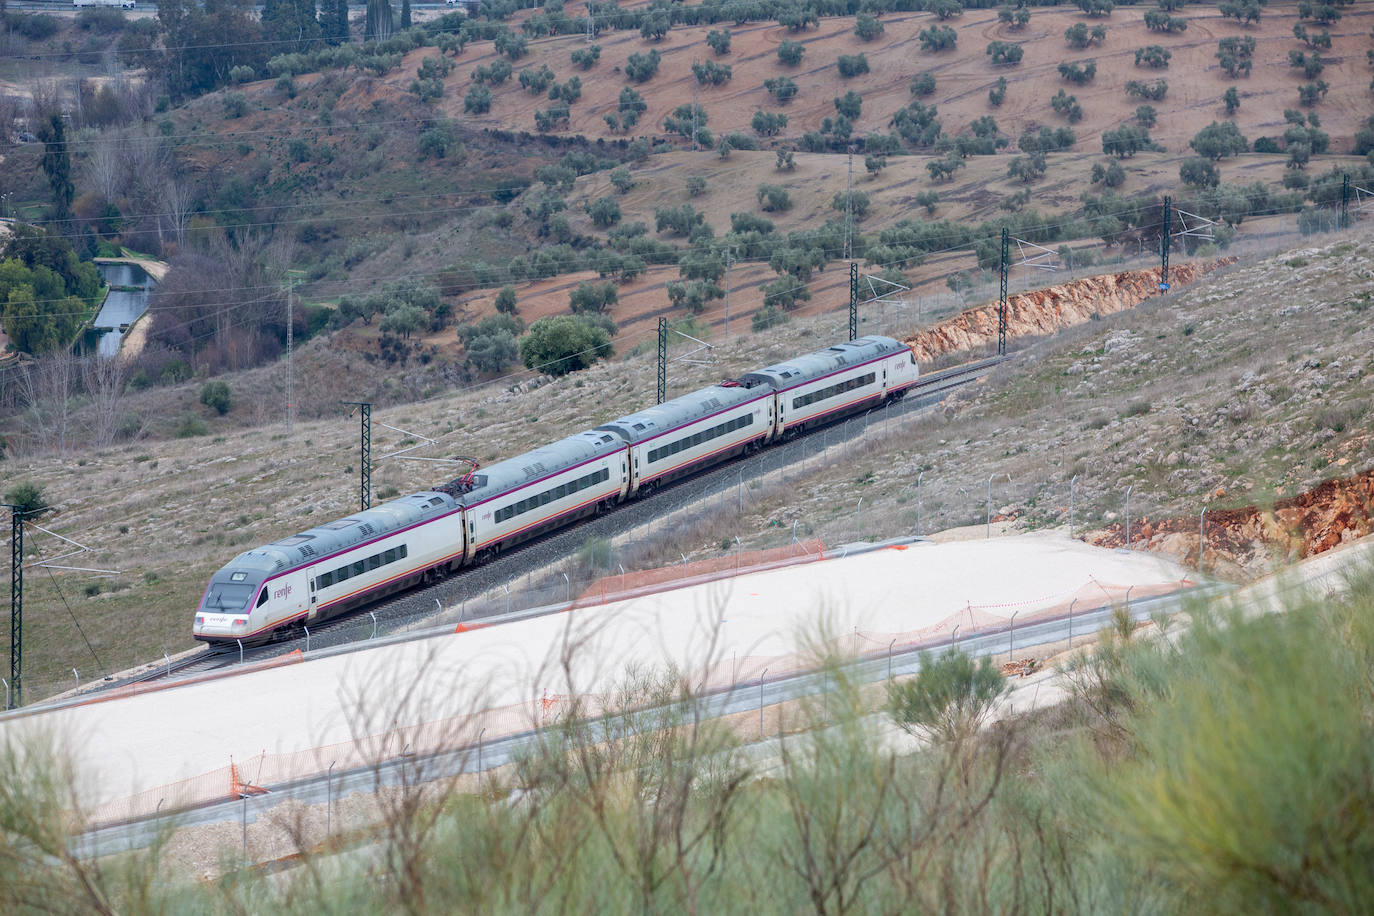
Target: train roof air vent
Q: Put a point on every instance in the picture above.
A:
(436, 500)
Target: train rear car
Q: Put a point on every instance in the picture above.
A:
(843, 379)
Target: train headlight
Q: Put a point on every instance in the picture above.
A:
(200, 621)
(240, 622)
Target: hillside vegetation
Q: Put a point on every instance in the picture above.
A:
(411, 178)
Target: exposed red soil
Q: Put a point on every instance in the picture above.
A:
(610, 588)
(1335, 511)
(1044, 311)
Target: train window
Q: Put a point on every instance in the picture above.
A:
(696, 439)
(374, 562)
(390, 556)
(359, 568)
(822, 394)
(325, 580)
(405, 551)
(262, 598)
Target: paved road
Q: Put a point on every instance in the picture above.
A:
(744, 698)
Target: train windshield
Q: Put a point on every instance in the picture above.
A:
(228, 596)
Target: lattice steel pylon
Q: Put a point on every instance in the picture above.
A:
(364, 452)
(1164, 249)
(16, 603)
(662, 360)
(1345, 201)
(853, 300)
(1002, 298)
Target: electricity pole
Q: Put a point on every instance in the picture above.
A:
(16, 601)
(853, 300)
(662, 359)
(1345, 201)
(290, 341)
(1164, 249)
(729, 263)
(695, 109)
(1002, 300)
(364, 452)
(849, 213)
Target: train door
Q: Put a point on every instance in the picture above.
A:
(314, 608)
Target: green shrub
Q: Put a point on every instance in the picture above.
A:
(790, 52)
(28, 498)
(949, 698)
(641, 68)
(235, 104)
(215, 394)
(851, 65)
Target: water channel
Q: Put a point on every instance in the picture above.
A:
(130, 287)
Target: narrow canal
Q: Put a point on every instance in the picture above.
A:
(130, 287)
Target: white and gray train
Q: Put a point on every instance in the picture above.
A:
(345, 564)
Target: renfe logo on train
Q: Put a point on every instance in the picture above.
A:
(284, 592)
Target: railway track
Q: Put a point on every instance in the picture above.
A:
(473, 581)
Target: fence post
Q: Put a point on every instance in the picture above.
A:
(761, 677)
(1128, 515)
(329, 799)
(918, 502)
(1201, 536)
(1073, 483)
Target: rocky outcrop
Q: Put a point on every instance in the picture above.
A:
(1251, 537)
(1045, 311)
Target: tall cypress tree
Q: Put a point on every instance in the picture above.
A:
(378, 26)
(334, 19)
(57, 164)
(405, 14)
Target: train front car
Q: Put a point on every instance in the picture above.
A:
(332, 569)
(849, 377)
(226, 609)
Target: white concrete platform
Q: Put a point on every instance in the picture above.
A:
(372, 702)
